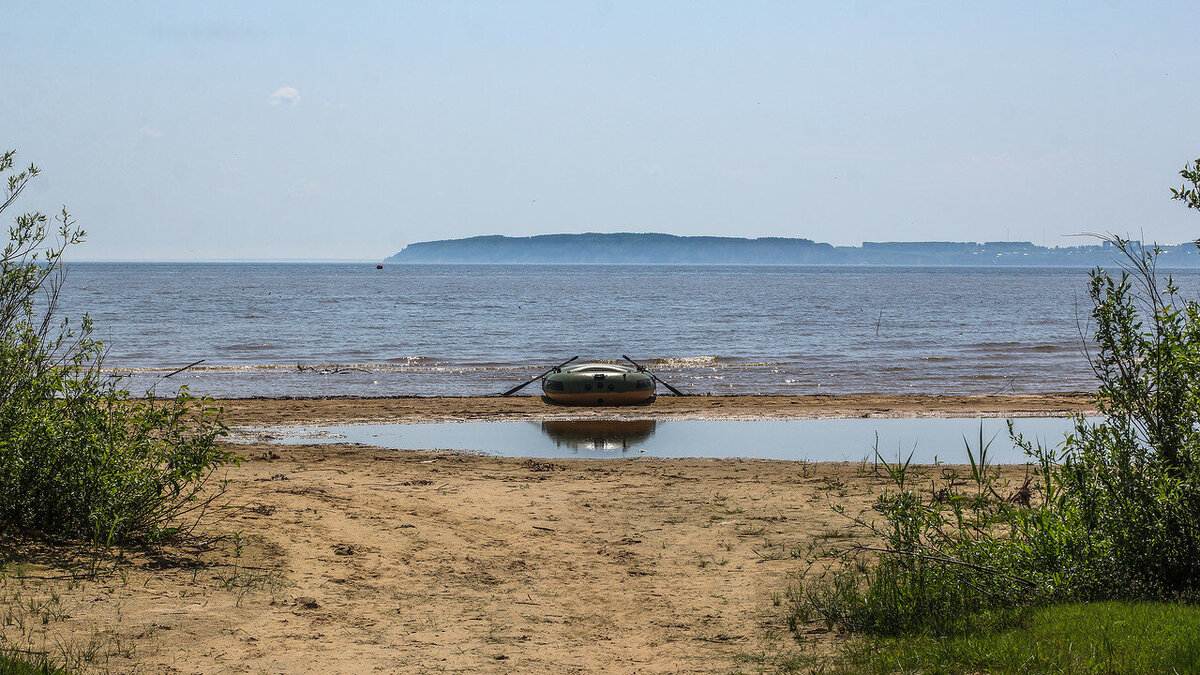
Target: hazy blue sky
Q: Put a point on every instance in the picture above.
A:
(296, 130)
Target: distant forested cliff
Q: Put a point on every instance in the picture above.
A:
(668, 249)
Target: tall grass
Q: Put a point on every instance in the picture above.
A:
(15, 664)
(944, 562)
(1111, 513)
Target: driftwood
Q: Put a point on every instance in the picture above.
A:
(1023, 496)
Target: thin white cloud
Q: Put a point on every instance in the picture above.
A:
(739, 173)
(304, 189)
(150, 131)
(287, 95)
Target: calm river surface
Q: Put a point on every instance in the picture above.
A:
(928, 440)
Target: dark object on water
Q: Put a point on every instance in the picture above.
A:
(598, 384)
(379, 267)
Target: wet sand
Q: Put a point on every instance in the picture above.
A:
(351, 559)
(282, 412)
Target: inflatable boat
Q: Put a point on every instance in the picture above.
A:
(598, 384)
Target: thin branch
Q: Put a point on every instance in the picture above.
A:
(948, 561)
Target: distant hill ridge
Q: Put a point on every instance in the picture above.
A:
(670, 249)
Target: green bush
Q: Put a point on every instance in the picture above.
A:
(947, 562)
(1111, 513)
(1132, 482)
(79, 457)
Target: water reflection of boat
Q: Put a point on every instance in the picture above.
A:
(612, 435)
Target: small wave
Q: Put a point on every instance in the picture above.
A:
(427, 364)
(751, 364)
(215, 369)
(244, 347)
(687, 361)
(409, 360)
(405, 367)
(1014, 347)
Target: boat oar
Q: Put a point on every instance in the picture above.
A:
(653, 376)
(521, 386)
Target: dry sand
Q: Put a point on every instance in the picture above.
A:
(350, 559)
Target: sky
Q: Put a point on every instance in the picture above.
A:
(295, 130)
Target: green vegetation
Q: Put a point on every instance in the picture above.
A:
(16, 664)
(1190, 196)
(1113, 513)
(1102, 637)
(79, 457)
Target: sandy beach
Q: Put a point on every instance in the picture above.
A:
(352, 559)
(292, 411)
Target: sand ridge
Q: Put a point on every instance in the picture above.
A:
(293, 411)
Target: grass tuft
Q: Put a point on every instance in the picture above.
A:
(12, 664)
(1101, 637)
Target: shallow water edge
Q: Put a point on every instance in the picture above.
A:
(281, 412)
(923, 440)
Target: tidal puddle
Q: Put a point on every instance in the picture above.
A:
(929, 439)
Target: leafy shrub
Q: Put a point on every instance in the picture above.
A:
(946, 562)
(1131, 483)
(80, 458)
(1117, 507)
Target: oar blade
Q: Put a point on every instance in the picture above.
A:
(652, 375)
(673, 389)
(519, 387)
(526, 383)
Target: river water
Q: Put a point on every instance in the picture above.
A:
(351, 329)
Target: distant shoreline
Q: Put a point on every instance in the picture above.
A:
(373, 263)
(656, 249)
